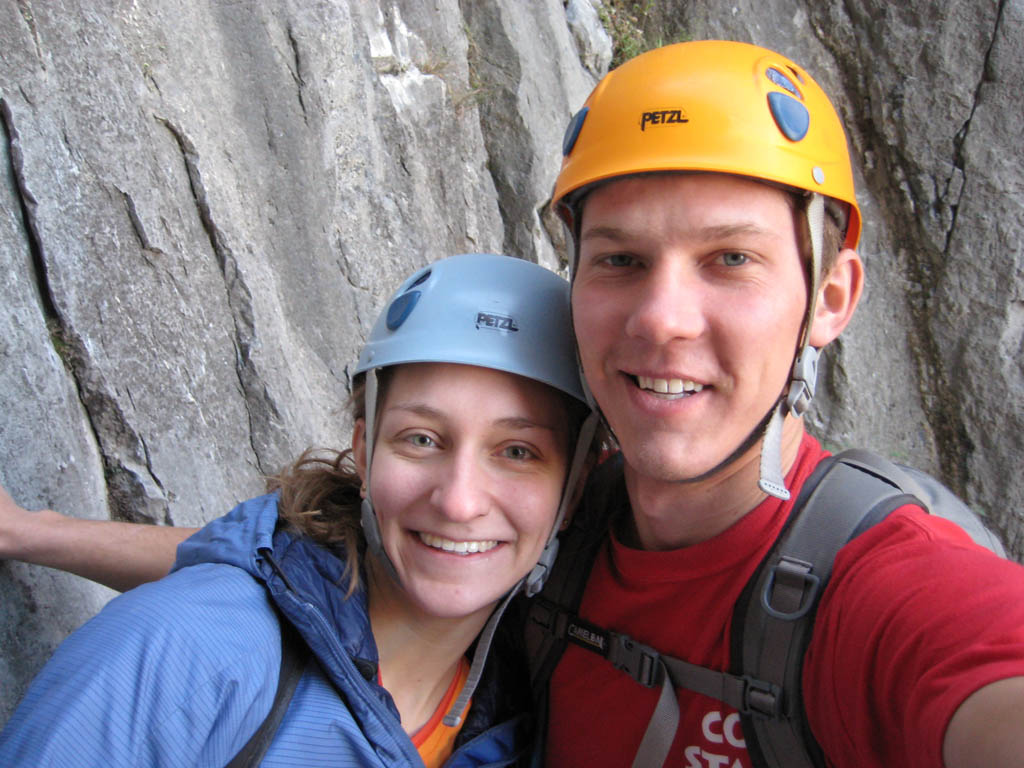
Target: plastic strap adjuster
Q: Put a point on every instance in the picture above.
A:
(543, 613)
(761, 699)
(637, 660)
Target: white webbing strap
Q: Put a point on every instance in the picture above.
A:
(815, 213)
(772, 480)
(802, 379)
(476, 668)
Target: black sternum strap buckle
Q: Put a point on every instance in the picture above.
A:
(637, 660)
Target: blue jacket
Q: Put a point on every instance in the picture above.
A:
(181, 672)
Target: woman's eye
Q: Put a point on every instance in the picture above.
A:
(734, 259)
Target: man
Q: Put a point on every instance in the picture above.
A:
(708, 189)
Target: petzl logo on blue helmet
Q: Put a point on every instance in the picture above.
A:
(496, 322)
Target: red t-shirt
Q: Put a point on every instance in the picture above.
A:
(915, 619)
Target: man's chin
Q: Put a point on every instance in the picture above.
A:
(650, 460)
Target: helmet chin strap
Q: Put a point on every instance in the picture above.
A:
(539, 573)
(368, 517)
(805, 367)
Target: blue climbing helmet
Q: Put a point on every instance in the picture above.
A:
(480, 309)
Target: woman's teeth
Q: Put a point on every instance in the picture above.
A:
(457, 547)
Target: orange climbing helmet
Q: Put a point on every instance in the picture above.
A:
(712, 105)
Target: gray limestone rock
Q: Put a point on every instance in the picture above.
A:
(203, 209)
(592, 40)
(203, 206)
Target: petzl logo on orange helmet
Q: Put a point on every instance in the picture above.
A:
(663, 117)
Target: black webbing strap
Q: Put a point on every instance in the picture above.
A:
(294, 655)
(545, 631)
(650, 668)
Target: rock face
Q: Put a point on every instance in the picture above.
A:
(202, 208)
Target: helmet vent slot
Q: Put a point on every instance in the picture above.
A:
(783, 82)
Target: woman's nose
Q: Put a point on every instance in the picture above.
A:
(460, 493)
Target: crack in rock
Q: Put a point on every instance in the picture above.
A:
(128, 496)
(261, 410)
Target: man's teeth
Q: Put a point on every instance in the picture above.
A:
(458, 547)
(668, 386)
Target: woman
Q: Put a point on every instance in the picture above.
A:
(389, 561)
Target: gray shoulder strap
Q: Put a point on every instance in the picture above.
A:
(843, 496)
(551, 611)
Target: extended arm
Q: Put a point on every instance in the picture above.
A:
(928, 622)
(119, 555)
(986, 730)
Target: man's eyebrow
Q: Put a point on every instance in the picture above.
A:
(711, 232)
(721, 231)
(606, 232)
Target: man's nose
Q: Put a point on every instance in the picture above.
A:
(667, 305)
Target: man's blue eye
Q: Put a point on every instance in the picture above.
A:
(620, 260)
(421, 441)
(734, 259)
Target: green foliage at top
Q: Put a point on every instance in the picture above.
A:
(636, 26)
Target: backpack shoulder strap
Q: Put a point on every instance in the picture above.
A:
(294, 655)
(551, 610)
(774, 617)
(551, 615)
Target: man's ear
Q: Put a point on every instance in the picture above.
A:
(359, 447)
(837, 298)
